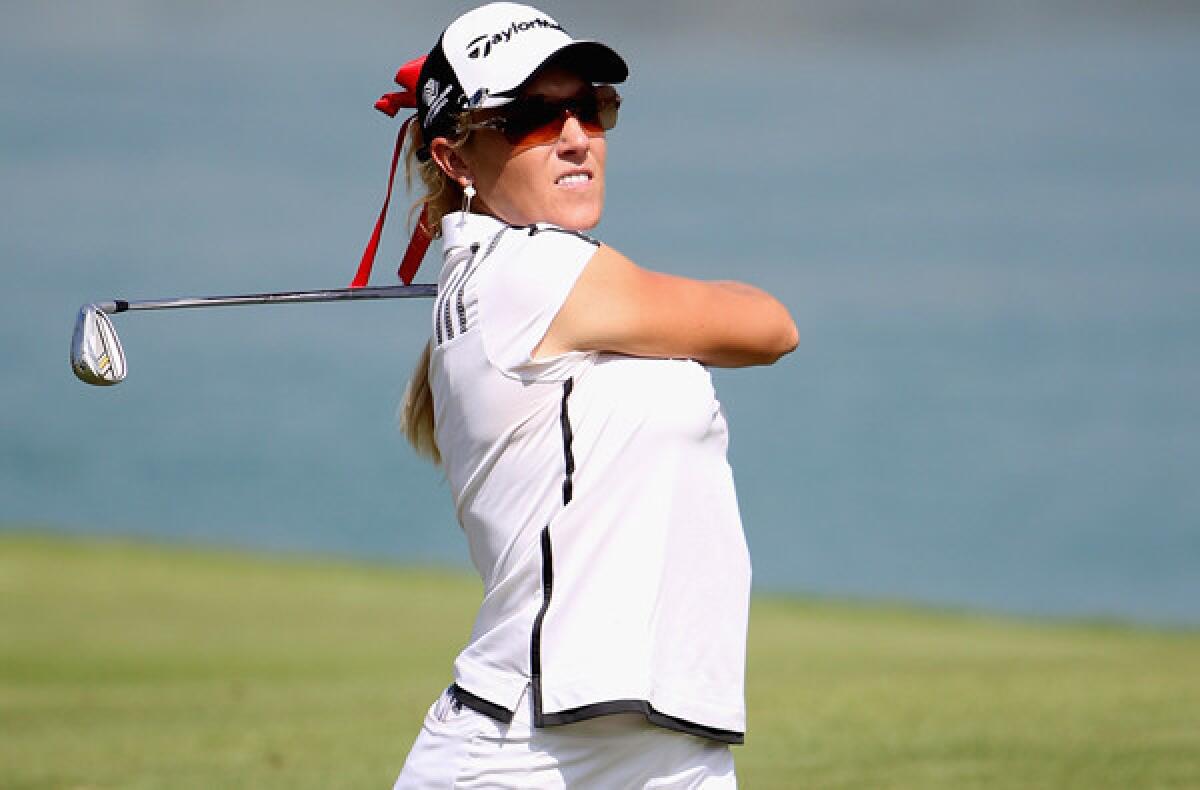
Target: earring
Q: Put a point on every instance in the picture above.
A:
(468, 193)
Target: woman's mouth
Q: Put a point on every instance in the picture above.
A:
(574, 179)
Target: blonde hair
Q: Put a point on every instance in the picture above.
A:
(442, 195)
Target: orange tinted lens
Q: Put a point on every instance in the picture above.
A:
(539, 135)
(550, 132)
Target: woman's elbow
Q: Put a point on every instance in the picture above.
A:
(761, 334)
(775, 342)
(790, 338)
(783, 337)
(783, 342)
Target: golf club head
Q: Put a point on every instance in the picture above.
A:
(96, 353)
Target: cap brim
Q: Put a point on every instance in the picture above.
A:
(591, 60)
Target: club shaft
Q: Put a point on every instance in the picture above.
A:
(281, 297)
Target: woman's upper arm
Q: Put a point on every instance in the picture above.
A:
(618, 306)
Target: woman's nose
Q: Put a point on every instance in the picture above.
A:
(573, 136)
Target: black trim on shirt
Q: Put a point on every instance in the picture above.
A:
(585, 712)
(480, 705)
(536, 229)
(461, 290)
(646, 709)
(443, 327)
(568, 438)
(446, 306)
(535, 642)
(495, 242)
(535, 646)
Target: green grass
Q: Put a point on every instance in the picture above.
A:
(133, 666)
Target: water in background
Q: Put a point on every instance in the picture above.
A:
(987, 225)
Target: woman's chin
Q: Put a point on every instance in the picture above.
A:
(578, 214)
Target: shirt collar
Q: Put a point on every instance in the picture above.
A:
(461, 229)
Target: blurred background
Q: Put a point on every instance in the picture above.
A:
(985, 217)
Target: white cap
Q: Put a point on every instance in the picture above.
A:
(486, 56)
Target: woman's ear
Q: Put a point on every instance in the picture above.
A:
(450, 160)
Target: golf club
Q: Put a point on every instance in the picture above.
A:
(98, 358)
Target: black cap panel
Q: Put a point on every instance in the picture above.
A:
(440, 97)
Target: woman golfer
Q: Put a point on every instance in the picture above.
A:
(565, 392)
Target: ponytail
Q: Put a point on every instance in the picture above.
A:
(442, 195)
(416, 411)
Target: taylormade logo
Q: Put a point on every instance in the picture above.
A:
(429, 95)
(436, 102)
(481, 46)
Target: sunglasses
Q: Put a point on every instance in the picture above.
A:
(537, 120)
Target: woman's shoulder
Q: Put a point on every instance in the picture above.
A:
(540, 251)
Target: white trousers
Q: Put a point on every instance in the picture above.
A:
(460, 748)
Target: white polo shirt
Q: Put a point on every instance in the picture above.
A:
(596, 498)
